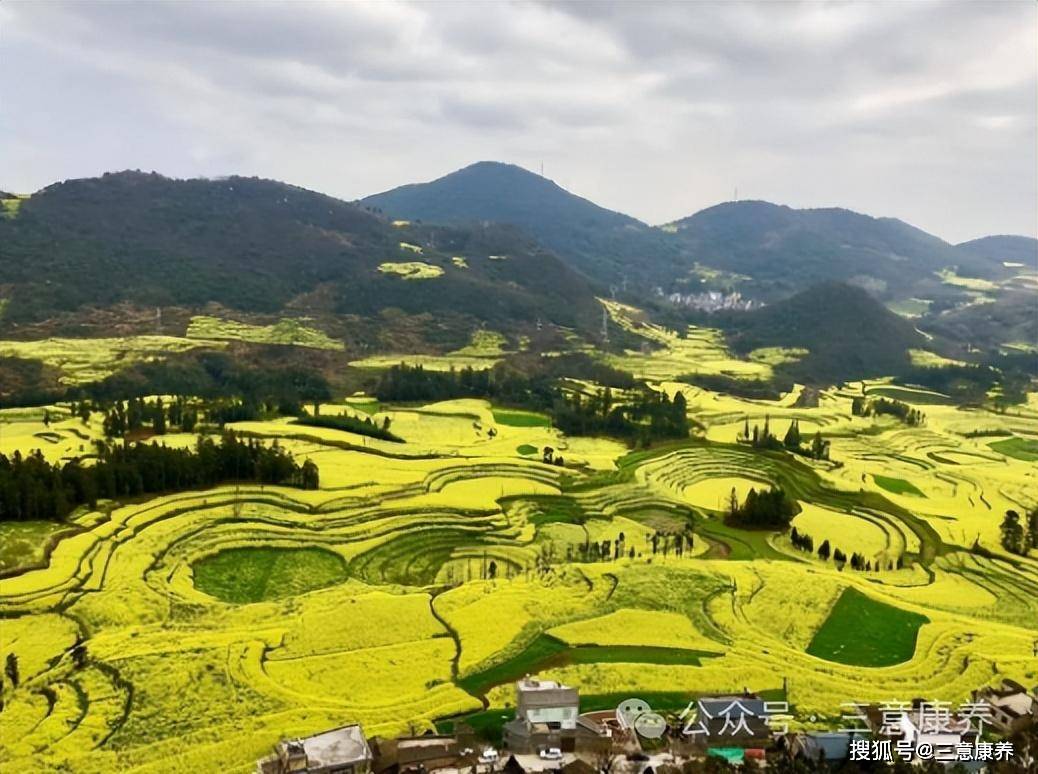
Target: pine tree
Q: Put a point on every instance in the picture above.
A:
(11, 669)
(792, 439)
(1013, 533)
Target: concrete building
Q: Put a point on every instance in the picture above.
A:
(547, 717)
(428, 753)
(339, 751)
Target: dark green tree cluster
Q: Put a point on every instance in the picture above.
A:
(32, 488)
(532, 388)
(1020, 534)
(763, 438)
(136, 415)
(767, 509)
(802, 541)
(359, 425)
(642, 417)
(912, 417)
(212, 376)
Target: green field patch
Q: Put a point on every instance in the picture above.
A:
(742, 544)
(526, 448)
(515, 418)
(255, 574)
(555, 509)
(863, 632)
(1025, 449)
(25, 543)
(546, 652)
(412, 559)
(897, 485)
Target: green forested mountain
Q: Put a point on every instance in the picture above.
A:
(784, 249)
(605, 245)
(769, 251)
(259, 245)
(848, 334)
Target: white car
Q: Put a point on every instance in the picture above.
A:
(551, 754)
(489, 755)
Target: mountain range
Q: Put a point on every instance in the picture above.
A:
(767, 250)
(489, 245)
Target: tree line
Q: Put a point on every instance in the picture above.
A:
(861, 407)
(806, 543)
(763, 438)
(32, 488)
(641, 415)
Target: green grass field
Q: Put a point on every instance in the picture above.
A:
(547, 652)
(1025, 449)
(242, 575)
(514, 418)
(23, 543)
(863, 632)
(898, 485)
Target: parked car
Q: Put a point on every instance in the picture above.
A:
(489, 755)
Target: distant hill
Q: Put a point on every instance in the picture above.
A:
(999, 250)
(264, 246)
(848, 334)
(604, 245)
(779, 249)
(784, 249)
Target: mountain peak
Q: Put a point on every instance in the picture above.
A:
(595, 240)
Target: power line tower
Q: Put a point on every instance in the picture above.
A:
(605, 326)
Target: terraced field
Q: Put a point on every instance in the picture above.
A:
(424, 576)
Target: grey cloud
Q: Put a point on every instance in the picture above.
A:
(869, 105)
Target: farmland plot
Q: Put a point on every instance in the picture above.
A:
(424, 575)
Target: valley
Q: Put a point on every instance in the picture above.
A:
(381, 483)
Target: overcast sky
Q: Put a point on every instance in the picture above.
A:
(920, 110)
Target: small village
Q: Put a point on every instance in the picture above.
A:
(549, 734)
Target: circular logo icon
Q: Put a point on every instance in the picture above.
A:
(650, 724)
(629, 710)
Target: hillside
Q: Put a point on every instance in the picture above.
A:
(262, 246)
(784, 250)
(604, 245)
(999, 250)
(848, 334)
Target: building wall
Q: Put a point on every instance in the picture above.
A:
(566, 717)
